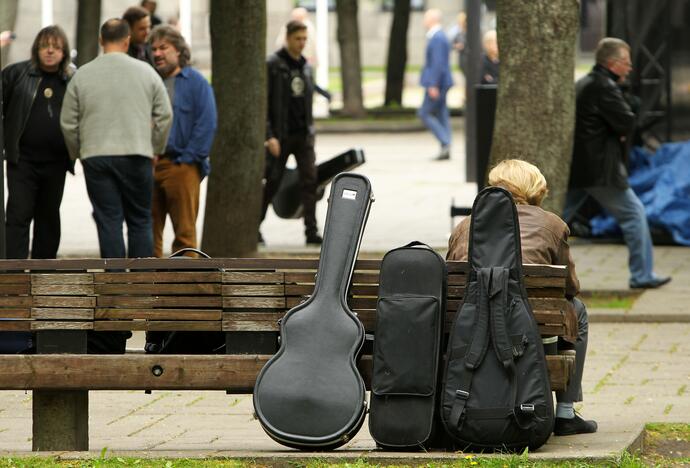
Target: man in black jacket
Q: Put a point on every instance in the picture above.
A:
(290, 126)
(37, 158)
(604, 120)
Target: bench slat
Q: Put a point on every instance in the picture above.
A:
(15, 313)
(152, 302)
(254, 290)
(235, 373)
(15, 301)
(156, 289)
(61, 313)
(158, 314)
(62, 289)
(60, 325)
(263, 277)
(47, 279)
(157, 325)
(152, 277)
(15, 325)
(83, 302)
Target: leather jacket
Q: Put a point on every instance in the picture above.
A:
(603, 116)
(278, 78)
(20, 83)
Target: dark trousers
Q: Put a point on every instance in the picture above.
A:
(302, 147)
(120, 189)
(34, 193)
(574, 391)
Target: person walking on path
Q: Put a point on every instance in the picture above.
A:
(37, 158)
(290, 125)
(544, 240)
(436, 80)
(604, 122)
(181, 168)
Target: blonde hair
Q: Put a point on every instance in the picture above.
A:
(523, 180)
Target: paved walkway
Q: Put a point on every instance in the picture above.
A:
(638, 367)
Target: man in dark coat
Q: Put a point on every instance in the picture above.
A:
(290, 125)
(604, 120)
(37, 158)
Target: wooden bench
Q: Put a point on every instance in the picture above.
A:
(61, 300)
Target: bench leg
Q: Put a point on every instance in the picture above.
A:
(60, 417)
(60, 420)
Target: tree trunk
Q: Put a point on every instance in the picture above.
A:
(233, 202)
(88, 27)
(397, 54)
(535, 110)
(8, 18)
(350, 63)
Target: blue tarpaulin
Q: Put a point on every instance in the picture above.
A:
(662, 182)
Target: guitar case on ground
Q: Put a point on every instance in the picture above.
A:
(409, 326)
(496, 393)
(310, 395)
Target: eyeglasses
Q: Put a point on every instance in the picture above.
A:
(627, 63)
(49, 45)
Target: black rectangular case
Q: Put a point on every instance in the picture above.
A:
(409, 325)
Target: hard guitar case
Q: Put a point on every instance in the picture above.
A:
(409, 325)
(310, 395)
(496, 392)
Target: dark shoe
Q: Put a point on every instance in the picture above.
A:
(652, 284)
(576, 425)
(314, 239)
(444, 155)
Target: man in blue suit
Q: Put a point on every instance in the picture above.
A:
(436, 80)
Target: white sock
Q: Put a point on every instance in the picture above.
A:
(565, 410)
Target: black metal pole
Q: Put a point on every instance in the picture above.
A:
(2, 173)
(473, 43)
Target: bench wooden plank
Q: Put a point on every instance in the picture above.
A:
(61, 313)
(154, 301)
(42, 279)
(157, 325)
(254, 290)
(15, 301)
(83, 302)
(15, 325)
(235, 373)
(230, 302)
(158, 289)
(60, 325)
(154, 277)
(62, 289)
(15, 278)
(15, 313)
(253, 277)
(158, 314)
(15, 288)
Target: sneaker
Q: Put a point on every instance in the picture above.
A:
(576, 425)
(314, 239)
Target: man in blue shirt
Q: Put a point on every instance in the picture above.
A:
(180, 170)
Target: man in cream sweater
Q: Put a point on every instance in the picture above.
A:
(115, 117)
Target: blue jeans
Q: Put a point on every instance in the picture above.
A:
(629, 213)
(120, 189)
(434, 113)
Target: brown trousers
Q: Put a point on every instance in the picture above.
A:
(175, 193)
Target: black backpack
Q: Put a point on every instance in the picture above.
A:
(409, 323)
(496, 393)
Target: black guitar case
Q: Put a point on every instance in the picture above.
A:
(287, 202)
(496, 392)
(310, 395)
(409, 323)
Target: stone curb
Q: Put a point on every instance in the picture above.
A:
(289, 457)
